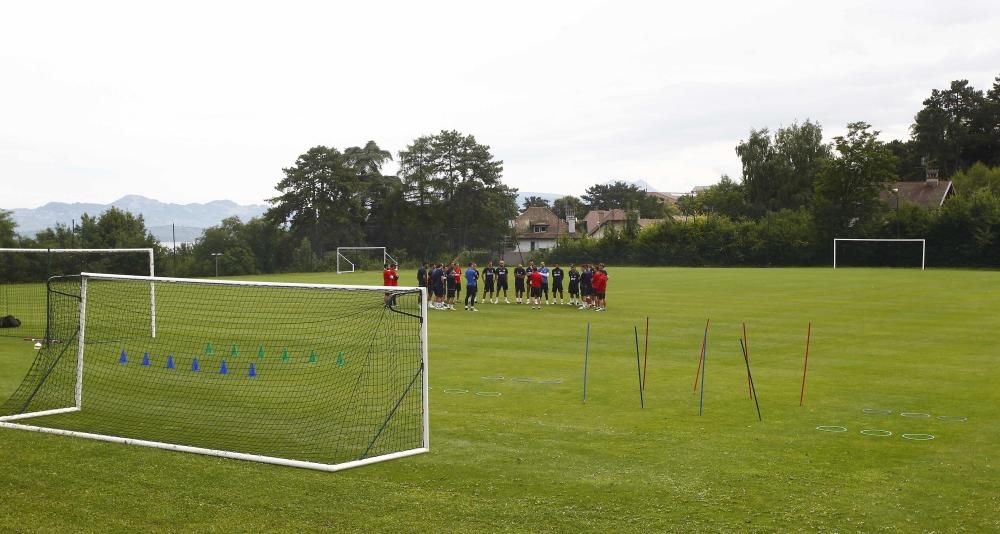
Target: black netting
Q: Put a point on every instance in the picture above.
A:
(315, 374)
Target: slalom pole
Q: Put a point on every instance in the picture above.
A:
(746, 345)
(704, 369)
(645, 355)
(638, 368)
(701, 357)
(805, 365)
(750, 378)
(586, 351)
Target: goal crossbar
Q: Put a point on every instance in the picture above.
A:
(923, 247)
(348, 266)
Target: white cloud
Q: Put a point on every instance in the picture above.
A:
(192, 101)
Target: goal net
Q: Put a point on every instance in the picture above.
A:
(307, 375)
(23, 272)
(350, 259)
(879, 253)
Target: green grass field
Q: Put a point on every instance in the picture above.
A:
(537, 458)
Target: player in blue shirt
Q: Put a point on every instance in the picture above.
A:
(471, 286)
(544, 271)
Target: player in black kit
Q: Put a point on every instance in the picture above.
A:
(489, 273)
(574, 286)
(502, 282)
(557, 283)
(519, 274)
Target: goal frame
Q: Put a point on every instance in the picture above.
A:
(923, 247)
(152, 270)
(386, 258)
(8, 421)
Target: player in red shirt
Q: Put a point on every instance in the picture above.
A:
(390, 277)
(600, 284)
(535, 280)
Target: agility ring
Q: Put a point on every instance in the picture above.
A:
(488, 393)
(953, 418)
(492, 377)
(553, 381)
(918, 437)
(914, 414)
(876, 411)
(876, 432)
(828, 428)
(456, 391)
(525, 380)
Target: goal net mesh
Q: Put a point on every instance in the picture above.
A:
(23, 273)
(314, 374)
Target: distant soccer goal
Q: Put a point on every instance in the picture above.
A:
(23, 272)
(907, 253)
(350, 259)
(305, 375)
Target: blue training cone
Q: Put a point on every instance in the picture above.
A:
(194, 364)
(170, 361)
(223, 370)
(145, 359)
(253, 371)
(123, 359)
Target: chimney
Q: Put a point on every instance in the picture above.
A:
(571, 221)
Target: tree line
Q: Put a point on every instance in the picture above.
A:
(795, 194)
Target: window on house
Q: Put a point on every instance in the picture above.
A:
(532, 245)
(539, 228)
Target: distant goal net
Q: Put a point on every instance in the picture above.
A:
(305, 375)
(23, 272)
(351, 259)
(879, 253)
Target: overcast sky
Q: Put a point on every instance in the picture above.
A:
(197, 101)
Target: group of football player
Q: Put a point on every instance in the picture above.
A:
(586, 289)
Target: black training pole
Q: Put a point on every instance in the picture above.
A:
(750, 378)
(638, 366)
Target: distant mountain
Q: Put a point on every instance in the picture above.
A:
(189, 219)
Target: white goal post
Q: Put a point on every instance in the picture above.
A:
(196, 411)
(147, 251)
(345, 265)
(923, 248)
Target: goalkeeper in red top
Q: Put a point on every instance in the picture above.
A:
(390, 278)
(535, 280)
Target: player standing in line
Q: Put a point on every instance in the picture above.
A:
(449, 282)
(528, 270)
(437, 287)
(390, 278)
(489, 273)
(519, 274)
(600, 283)
(545, 282)
(456, 271)
(535, 279)
(586, 290)
(471, 285)
(422, 275)
(502, 283)
(557, 283)
(574, 286)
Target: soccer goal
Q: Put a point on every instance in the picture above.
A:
(23, 272)
(306, 375)
(350, 259)
(922, 242)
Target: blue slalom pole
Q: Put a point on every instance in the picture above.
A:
(586, 352)
(704, 362)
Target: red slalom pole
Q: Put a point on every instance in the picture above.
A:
(805, 366)
(746, 347)
(645, 355)
(701, 356)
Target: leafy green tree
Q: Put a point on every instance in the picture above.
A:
(780, 172)
(849, 184)
(622, 195)
(227, 240)
(114, 228)
(8, 237)
(725, 198)
(977, 177)
(536, 202)
(956, 128)
(567, 204)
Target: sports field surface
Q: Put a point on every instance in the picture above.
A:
(898, 351)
